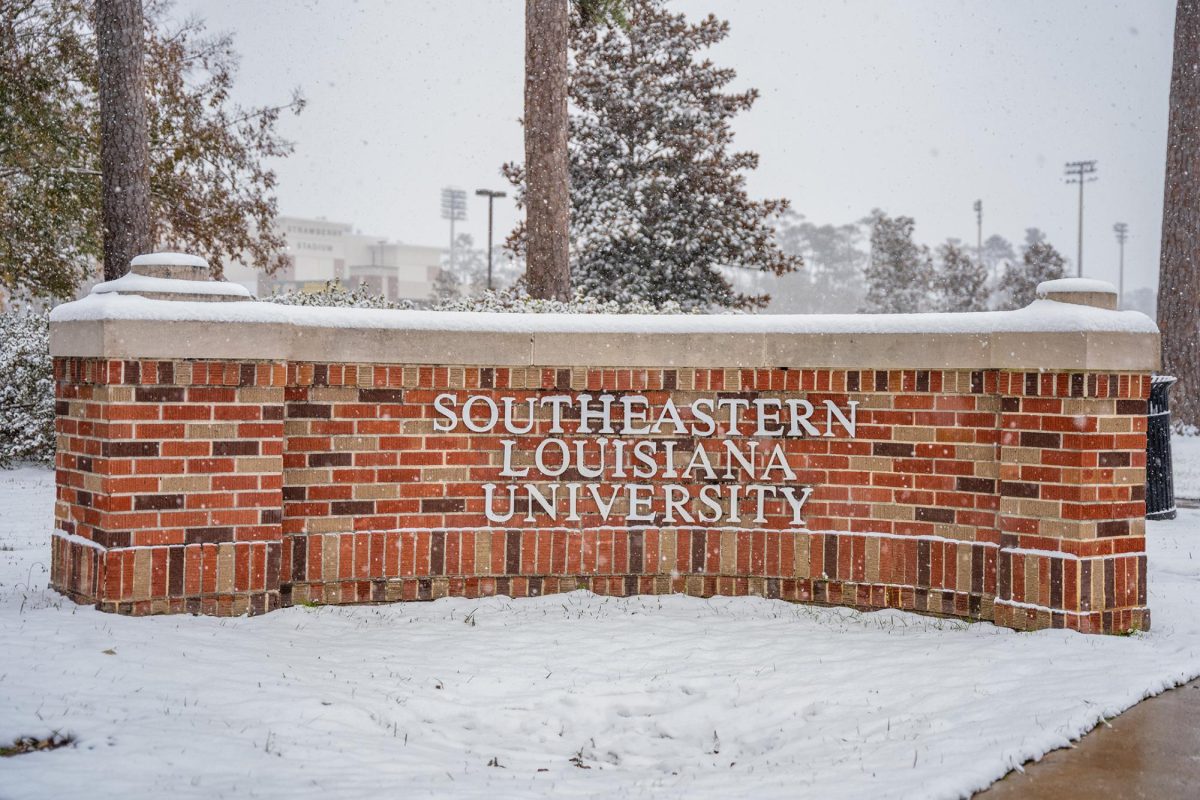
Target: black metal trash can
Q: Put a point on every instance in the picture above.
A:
(1160, 483)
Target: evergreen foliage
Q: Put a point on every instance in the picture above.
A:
(832, 279)
(658, 198)
(211, 193)
(961, 281)
(899, 272)
(26, 389)
(1039, 262)
(337, 296)
(445, 286)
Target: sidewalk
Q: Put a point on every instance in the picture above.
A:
(1150, 751)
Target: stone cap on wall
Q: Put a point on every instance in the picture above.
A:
(1047, 334)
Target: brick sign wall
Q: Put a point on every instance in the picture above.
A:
(226, 486)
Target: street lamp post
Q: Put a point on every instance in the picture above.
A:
(491, 195)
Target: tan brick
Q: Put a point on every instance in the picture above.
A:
(892, 511)
(728, 554)
(961, 533)
(186, 483)
(330, 553)
(874, 401)
(260, 395)
(1115, 424)
(117, 394)
(333, 394)
(1042, 509)
(1021, 455)
(330, 525)
(483, 554)
(914, 434)
(142, 565)
(666, 549)
(210, 431)
(448, 475)
(963, 574)
(225, 568)
(418, 426)
(872, 561)
(376, 491)
(268, 464)
(296, 427)
(1067, 529)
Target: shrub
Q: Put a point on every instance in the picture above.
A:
(337, 296)
(512, 301)
(507, 301)
(26, 389)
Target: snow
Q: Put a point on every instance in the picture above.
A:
(131, 282)
(576, 695)
(1185, 459)
(168, 259)
(1075, 285)
(1038, 317)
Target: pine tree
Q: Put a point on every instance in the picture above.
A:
(961, 281)
(1039, 262)
(899, 272)
(832, 280)
(997, 254)
(445, 286)
(658, 200)
(124, 136)
(210, 191)
(1179, 267)
(547, 35)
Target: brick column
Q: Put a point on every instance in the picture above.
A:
(1072, 506)
(170, 480)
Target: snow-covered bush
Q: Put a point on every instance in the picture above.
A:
(509, 300)
(336, 295)
(26, 389)
(516, 301)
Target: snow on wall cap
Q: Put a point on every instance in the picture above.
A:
(168, 288)
(168, 260)
(1080, 291)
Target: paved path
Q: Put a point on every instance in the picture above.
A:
(1150, 751)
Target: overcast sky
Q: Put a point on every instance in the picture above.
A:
(915, 107)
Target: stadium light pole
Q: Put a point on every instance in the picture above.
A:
(1122, 231)
(979, 231)
(491, 195)
(1079, 172)
(454, 208)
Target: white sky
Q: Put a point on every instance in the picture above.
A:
(917, 107)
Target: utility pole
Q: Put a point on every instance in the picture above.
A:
(491, 195)
(979, 231)
(454, 208)
(1080, 172)
(1122, 231)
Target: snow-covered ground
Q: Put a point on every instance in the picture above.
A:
(574, 694)
(1185, 460)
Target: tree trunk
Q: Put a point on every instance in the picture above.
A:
(124, 137)
(547, 183)
(1179, 268)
